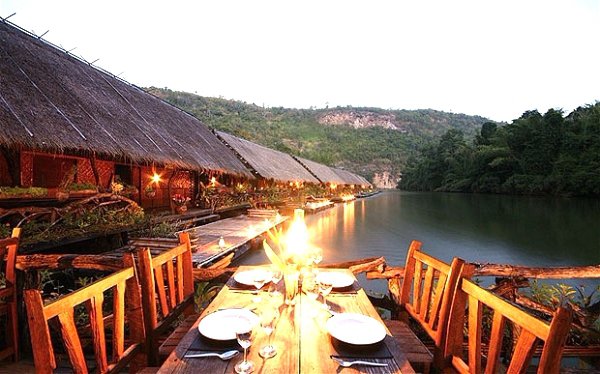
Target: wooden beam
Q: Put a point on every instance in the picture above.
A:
(503, 270)
(66, 261)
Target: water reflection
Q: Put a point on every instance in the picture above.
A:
(481, 228)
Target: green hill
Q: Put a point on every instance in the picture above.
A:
(368, 141)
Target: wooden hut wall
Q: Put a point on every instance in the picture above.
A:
(5, 177)
(269, 163)
(54, 102)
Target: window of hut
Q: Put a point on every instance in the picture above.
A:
(49, 171)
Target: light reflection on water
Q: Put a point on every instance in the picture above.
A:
(478, 228)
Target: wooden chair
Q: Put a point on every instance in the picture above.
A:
(8, 294)
(530, 331)
(124, 286)
(426, 296)
(173, 295)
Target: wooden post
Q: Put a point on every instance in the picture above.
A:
(95, 172)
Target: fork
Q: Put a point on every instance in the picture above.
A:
(346, 364)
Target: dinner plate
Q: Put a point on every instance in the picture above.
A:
(353, 328)
(222, 324)
(336, 278)
(247, 277)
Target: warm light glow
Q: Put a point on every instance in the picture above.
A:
(277, 217)
(352, 186)
(221, 243)
(348, 197)
(296, 240)
(155, 178)
(213, 181)
(333, 186)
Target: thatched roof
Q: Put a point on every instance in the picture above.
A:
(350, 178)
(53, 101)
(268, 163)
(323, 172)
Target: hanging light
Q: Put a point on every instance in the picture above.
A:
(155, 178)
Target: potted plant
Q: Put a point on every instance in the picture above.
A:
(180, 202)
(150, 192)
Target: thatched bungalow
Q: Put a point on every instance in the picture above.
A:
(324, 173)
(350, 178)
(58, 113)
(268, 163)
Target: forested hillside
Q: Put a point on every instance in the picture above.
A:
(535, 154)
(368, 141)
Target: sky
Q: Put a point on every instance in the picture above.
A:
(496, 59)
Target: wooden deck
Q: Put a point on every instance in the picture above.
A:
(237, 232)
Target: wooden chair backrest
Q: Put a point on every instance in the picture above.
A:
(427, 290)
(8, 257)
(124, 286)
(167, 284)
(532, 330)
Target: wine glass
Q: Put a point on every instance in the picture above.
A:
(267, 322)
(325, 286)
(258, 281)
(275, 279)
(317, 256)
(244, 336)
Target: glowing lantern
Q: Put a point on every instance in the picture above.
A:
(155, 178)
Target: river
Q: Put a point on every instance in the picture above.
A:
(516, 230)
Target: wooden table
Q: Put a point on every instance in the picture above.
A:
(303, 345)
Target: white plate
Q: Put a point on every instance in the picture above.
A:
(355, 328)
(222, 324)
(336, 278)
(247, 277)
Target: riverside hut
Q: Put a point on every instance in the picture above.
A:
(268, 163)
(63, 118)
(324, 173)
(350, 178)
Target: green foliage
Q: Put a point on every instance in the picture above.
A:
(82, 187)
(151, 229)
(23, 192)
(535, 154)
(204, 294)
(298, 131)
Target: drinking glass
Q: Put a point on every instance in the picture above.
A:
(317, 256)
(325, 286)
(244, 337)
(259, 280)
(267, 322)
(275, 279)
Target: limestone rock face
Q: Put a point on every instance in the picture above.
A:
(385, 179)
(360, 119)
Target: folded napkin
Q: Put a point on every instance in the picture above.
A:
(345, 350)
(202, 343)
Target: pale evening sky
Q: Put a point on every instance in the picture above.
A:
(491, 58)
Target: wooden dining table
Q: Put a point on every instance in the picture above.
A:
(300, 337)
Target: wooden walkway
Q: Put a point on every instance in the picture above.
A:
(236, 232)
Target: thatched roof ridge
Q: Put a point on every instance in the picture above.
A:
(267, 162)
(349, 177)
(323, 172)
(53, 101)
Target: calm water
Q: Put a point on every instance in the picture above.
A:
(478, 228)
